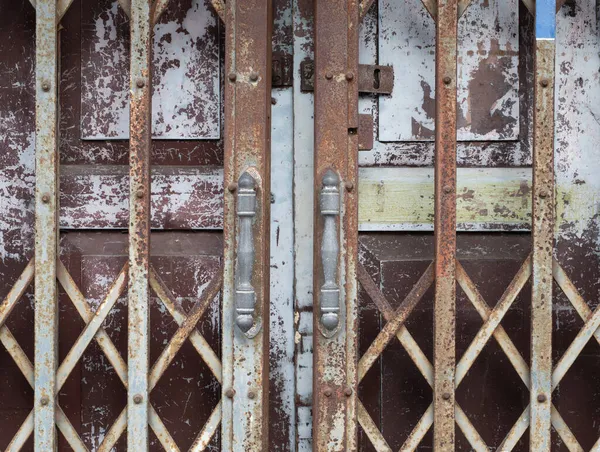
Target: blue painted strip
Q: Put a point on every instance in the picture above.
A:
(545, 19)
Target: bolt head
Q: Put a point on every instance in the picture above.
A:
(447, 80)
(349, 185)
(328, 75)
(44, 401)
(45, 198)
(447, 189)
(232, 187)
(140, 83)
(349, 76)
(45, 86)
(137, 399)
(541, 398)
(253, 76)
(229, 393)
(446, 396)
(328, 392)
(543, 193)
(544, 83)
(348, 391)
(232, 77)
(139, 194)
(251, 395)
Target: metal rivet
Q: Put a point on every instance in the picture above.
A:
(446, 396)
(45, 198)
(447, 80)
(328, 392)
(46, 86)
(349, 185)
(232, 187)
(251, 395)
(229, 393)
(544, 83)
(348, 391)
(349, 76)
(44, 401)
(543, 194)
(232, 77)
(541, 398)
(447, 189)
(140, 83)
(139, 194)
(253, 76)
(137, 399)
(328, 75)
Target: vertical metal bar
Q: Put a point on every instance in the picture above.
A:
(336, 151)
(46, 225)
(543, 226)
(139, 225)
(247, 150)
(445, 225)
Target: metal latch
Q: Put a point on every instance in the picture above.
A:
(371, 78)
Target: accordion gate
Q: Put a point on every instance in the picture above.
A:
(240, 418)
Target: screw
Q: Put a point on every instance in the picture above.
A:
(45, 198)
(140, 83)
(348, 391)
(447, 189)
(137, 399)
(328, 392)
(232, 187)
(349, 76)
(544, 83)
(251, 395)
(328, 75)
(253, 76)
(229, 393)
(541, 398)
(46, 86)
(349, 185)
(139, 194)
(446, 396)
(447, 80)
(44, 400)
(543, 194)
(232, 77)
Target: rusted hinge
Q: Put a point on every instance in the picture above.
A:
(371, 78)
(282, 70)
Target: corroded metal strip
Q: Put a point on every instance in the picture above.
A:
(445, 224)
(542, 226)
(247, 149)
(46, 227)
(336, 149)
(208, 431)
(371, 430)
(139, 224)
(219, 7)
(16, 292)
(159, 8)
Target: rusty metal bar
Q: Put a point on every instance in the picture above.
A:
(16, 292)
(543, 226)
(336, 150)
(46, 225)
(139, 224)
(247, 150)
(445, 224)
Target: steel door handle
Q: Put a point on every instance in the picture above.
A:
(329, 202)
(245, 296)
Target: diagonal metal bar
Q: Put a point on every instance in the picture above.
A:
(371, 430)
(17, 291)
(219, 7)
(126, 7)
(463, 5)
(363, 8)
(159, 8)
(208, 431)
(184, 331)
(493, 321)
(197, 340)
(113, 356)
(391, 328)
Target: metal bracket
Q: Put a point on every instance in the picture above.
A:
(282, 68)
(371, 78)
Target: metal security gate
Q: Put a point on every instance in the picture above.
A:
(295, 225)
